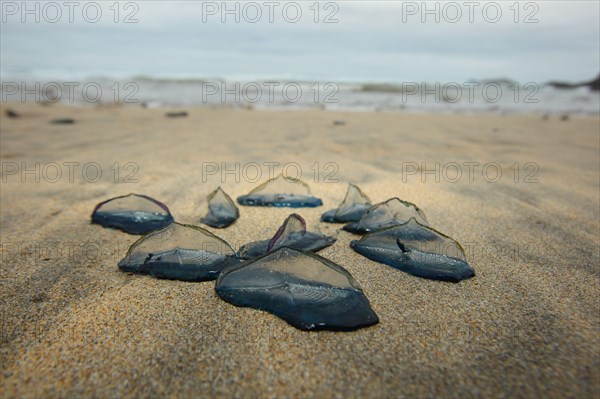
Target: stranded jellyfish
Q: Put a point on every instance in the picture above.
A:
(304, 289)
(352, 208)
(133, 213)
(179, 252)
(293, 234)
(386, 214)
(418, 250)
(281, 192)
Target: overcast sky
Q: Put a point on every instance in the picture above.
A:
(371, 41)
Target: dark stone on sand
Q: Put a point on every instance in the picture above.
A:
(181, 114)
(62, 121)
(11, 114)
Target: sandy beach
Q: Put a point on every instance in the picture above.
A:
(520, 193)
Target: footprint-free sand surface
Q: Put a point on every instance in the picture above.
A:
(520, 193)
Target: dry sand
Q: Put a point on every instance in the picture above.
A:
(527, 325)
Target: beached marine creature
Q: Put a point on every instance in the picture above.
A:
(416, 249)
(386, 214)
(304, 289)
(293, 234)
(352, 208)
(222, 211)
(133, 213)
(281, 191)
(179, 252)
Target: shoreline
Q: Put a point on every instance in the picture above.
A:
(9, 105)
(468, 97)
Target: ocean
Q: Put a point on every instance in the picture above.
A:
(495, 96)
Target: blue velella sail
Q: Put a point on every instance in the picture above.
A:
(293, 234)
(351, 209)
(389, 213)
(304, 289)
(222, 211)
(416, 249)
(281, 192)
(133, 213)
(179, 252)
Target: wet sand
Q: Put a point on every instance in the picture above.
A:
(527, 325)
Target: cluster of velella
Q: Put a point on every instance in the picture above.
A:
(282, 274)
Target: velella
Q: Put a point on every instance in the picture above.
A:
(418, 250)
(304, 289)
(179, 252)
(222, 211)
(351, 209)
(292, 233)
(132, 213)
(389, 213)
(281, 192)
